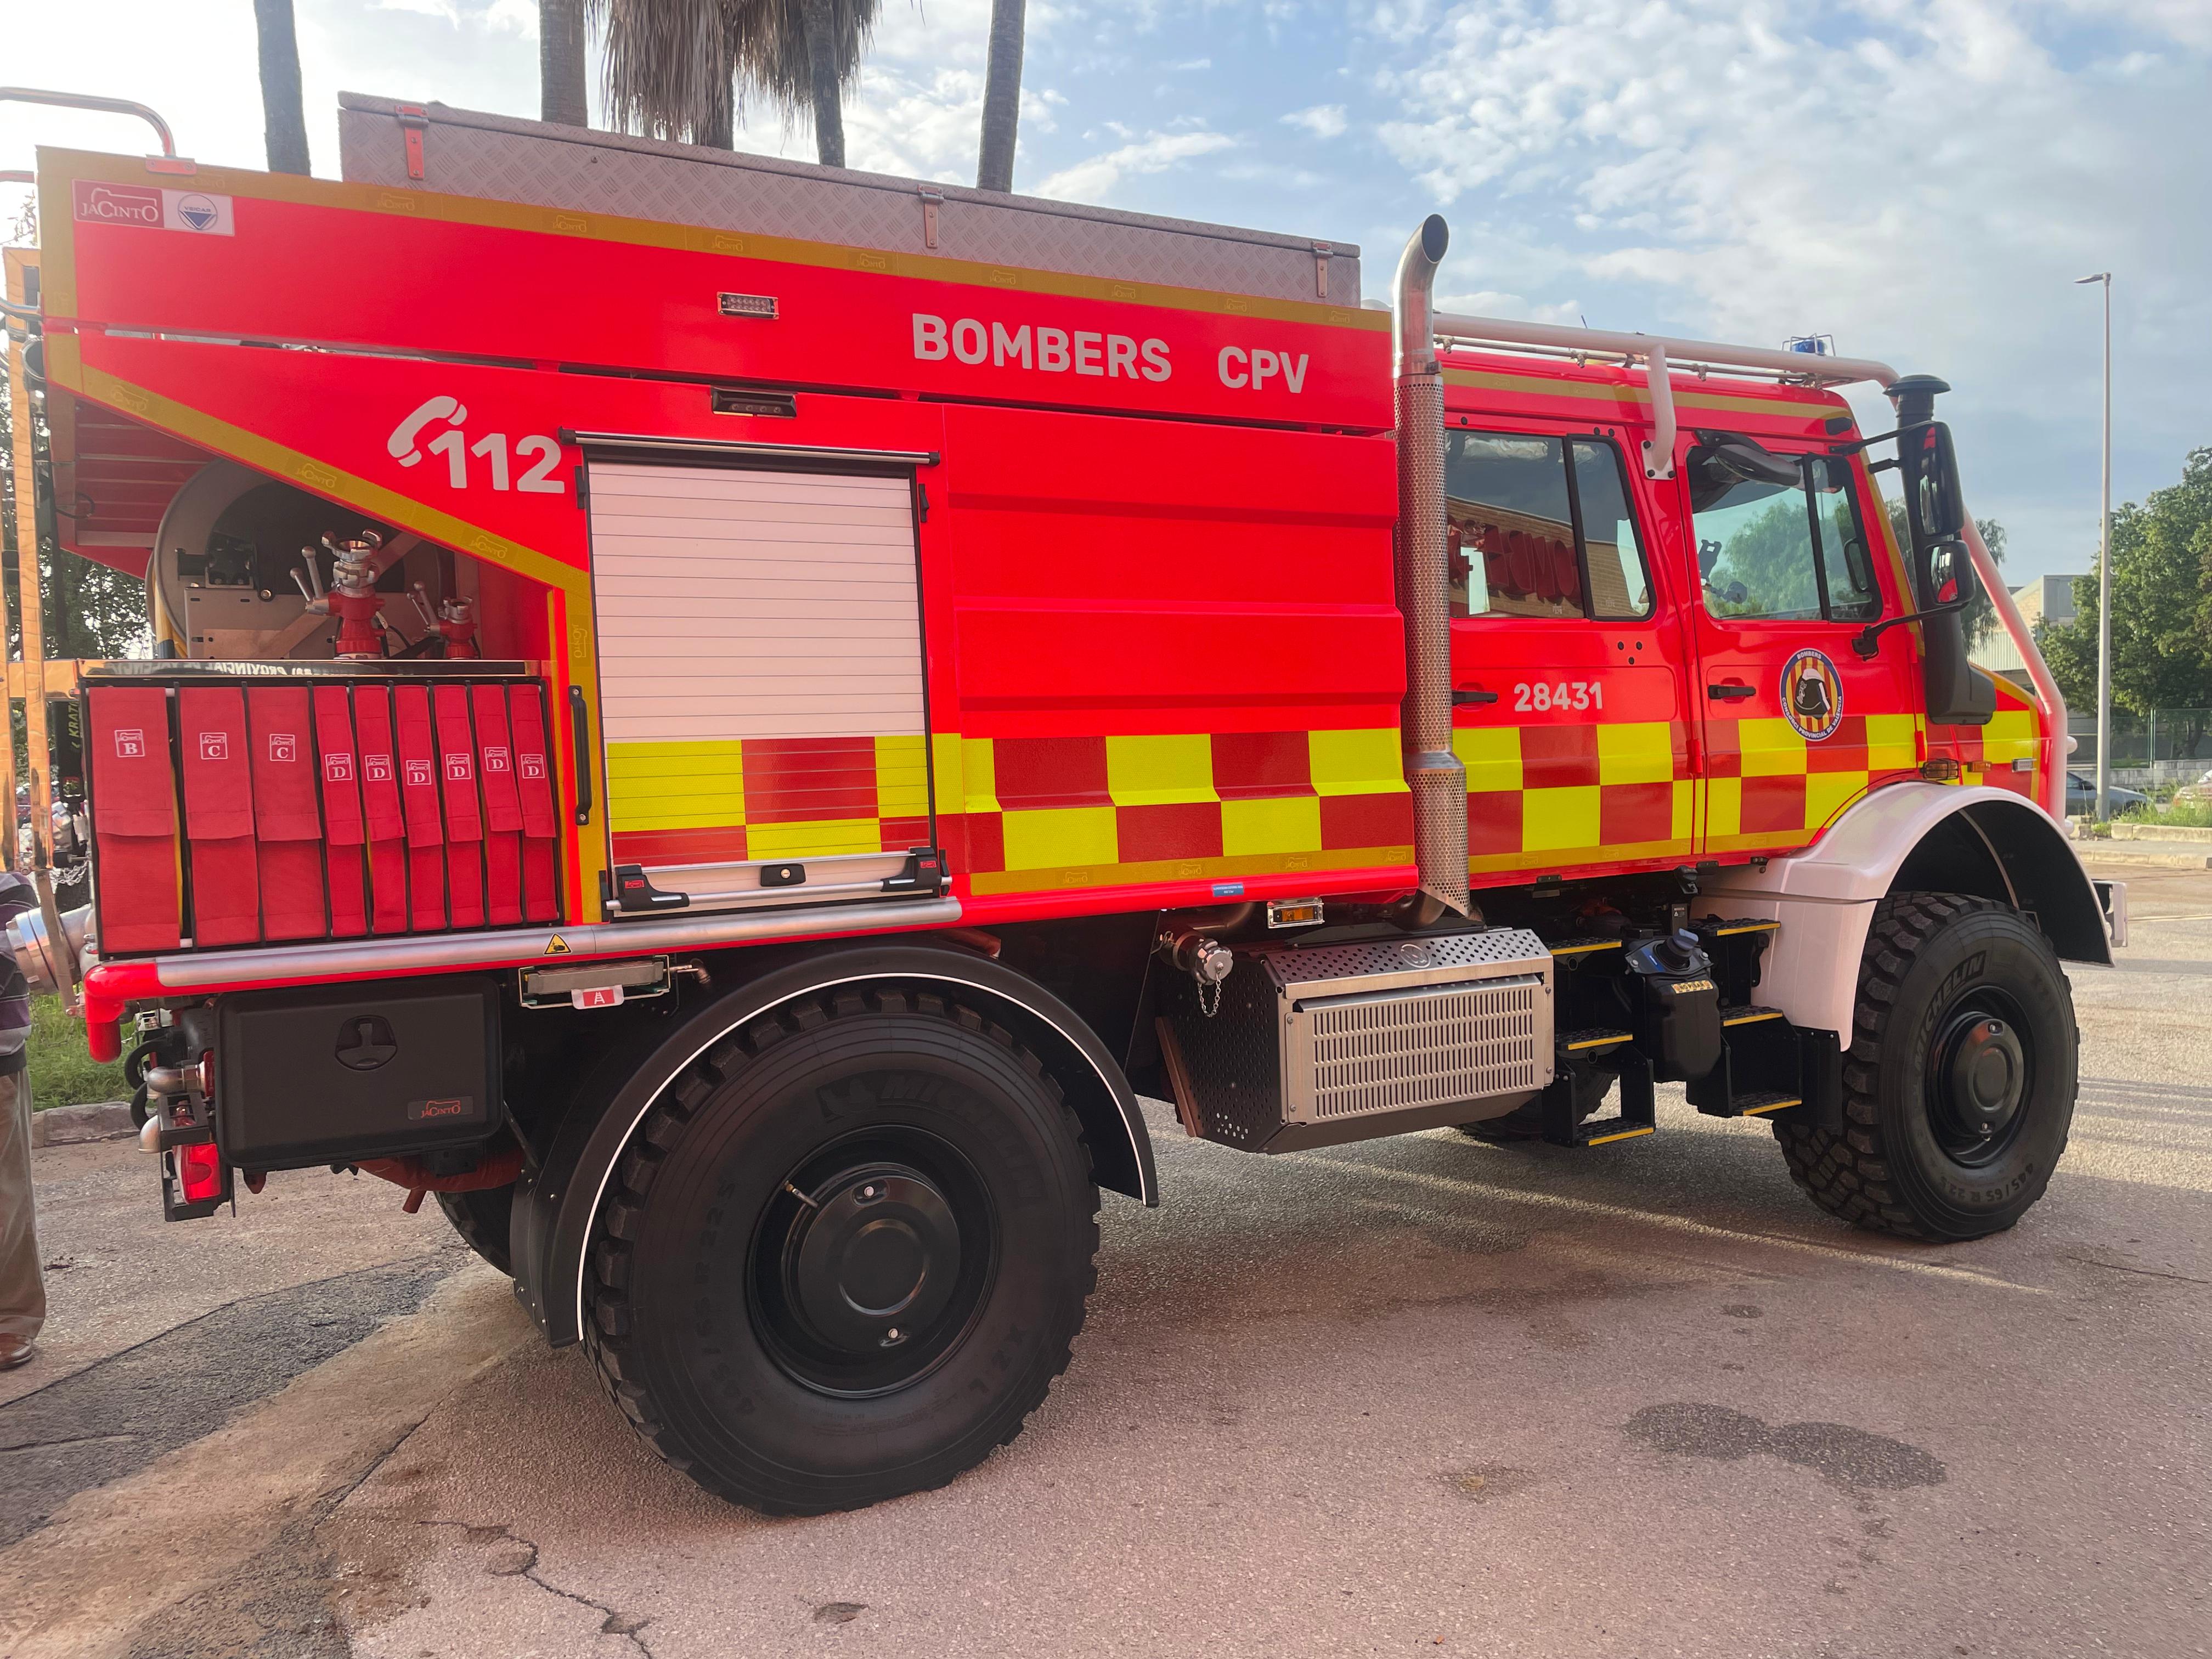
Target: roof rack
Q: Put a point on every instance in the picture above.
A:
(1659, 356)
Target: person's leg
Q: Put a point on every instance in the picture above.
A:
(22, 1287)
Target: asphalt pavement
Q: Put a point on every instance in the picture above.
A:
(1411, 1395)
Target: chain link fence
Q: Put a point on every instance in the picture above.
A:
(2165, 747)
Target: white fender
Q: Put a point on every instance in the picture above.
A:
(1824, 896)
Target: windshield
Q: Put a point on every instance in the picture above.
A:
(1781, 552)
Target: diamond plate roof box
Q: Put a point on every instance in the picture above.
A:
(457, 152)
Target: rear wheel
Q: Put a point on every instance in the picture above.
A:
(845, 1255)
(1958, 1086)
(482, 1218)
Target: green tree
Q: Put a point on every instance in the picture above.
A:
(2161, 610)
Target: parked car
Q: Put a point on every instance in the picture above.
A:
(2081, 796)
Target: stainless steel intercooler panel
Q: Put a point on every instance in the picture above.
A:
(1341, 1041)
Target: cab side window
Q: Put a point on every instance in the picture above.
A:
(1541, 527)
(1776, 551)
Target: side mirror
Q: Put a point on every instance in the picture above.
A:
(1952, 579)
(1933, 502)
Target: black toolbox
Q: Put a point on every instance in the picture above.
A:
(316, 1076)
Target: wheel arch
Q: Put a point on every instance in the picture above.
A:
(1983, 842)
(555, 1203)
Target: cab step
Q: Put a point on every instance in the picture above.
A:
(1753, 1105)
(1602, 1131)
(1745, 925)
(1750, 1015)
(1596, 1040)
(1638, 1114)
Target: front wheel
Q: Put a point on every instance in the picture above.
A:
(847, 1251)
(1958, 1086)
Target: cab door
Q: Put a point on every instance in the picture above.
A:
(1797, 723)
(1571, 716)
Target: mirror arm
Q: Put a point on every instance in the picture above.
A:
(1857, 444)
(1869, 641)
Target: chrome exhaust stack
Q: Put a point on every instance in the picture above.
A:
(1433, 772)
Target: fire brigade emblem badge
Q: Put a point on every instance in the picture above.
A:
(1812, 695)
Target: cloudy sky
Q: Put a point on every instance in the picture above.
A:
(1921, 179)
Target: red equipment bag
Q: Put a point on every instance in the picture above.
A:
(418, 794)
(534, 774)
(343, 835)
(382, 818)
(286, 822)
(219, 814)
(502, 807)
(457, 769)
(127, 735)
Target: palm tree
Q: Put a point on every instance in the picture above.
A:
(670, 63)
(560, 63)
(1002, 96)
(284, 121)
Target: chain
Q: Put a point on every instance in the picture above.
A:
(1209, 1007)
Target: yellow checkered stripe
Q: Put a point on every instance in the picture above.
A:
(1547, 797)
(714, 800)
(1036, 814)
(1767, 785)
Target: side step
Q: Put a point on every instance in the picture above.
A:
(1753, 1105)
(1638, 1114)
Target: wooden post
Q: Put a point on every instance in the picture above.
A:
(22, 276)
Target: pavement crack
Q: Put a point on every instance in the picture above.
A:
(2143, 1273)
(65, 1440)
(327, 1505)
(611, 1623)
(523, 1563)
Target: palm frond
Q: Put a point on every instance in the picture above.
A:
(666, 66)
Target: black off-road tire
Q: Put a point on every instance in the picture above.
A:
(693, 1325)
(1926, 957)
(483, 1219)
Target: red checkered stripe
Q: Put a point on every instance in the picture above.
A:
(726, 800)
(1769, 786)
(1548, 798)
(1039, 814)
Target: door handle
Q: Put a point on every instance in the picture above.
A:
(1730, 693)
(1462, 699)
(579, 745)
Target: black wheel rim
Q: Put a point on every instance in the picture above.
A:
(1981, 1076)
(871, 1261)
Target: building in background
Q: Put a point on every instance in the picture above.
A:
(2045, 599)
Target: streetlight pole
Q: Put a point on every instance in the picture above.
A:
(2104, 809)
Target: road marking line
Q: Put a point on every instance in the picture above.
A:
(1651, 1217)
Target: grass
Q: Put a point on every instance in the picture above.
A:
(62, 1071)
(2188, 814)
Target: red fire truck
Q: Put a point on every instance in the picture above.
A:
(726, 719)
